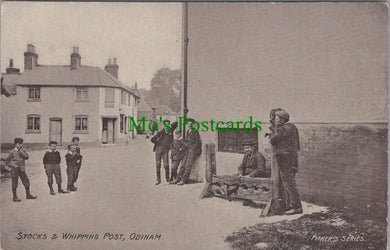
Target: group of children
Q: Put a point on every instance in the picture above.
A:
(51, 161)
(183, 152)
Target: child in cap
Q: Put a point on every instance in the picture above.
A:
(51, 162)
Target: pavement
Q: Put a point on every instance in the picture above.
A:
(116, 196)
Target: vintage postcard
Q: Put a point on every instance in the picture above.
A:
(194, 125)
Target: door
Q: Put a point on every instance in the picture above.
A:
(110, 130)
(55, 133)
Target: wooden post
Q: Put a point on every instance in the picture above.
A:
(211, 166)
(275, 186)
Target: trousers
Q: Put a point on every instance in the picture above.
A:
(53, 169)
(15, 174)
(175, 166)
(71, 171)
(162, 154)
(188, 162)
(288, 166)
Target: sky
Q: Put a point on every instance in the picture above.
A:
(142, 36)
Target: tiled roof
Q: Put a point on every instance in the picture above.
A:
(144, 107)
(164, 110)
(64, 76)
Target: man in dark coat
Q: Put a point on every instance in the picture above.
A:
(162, 143)
(194, 150)
(253, 163)
(285, 141)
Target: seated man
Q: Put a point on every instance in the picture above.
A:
(253, 164)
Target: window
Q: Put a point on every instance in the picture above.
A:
(34, 94)
(33, 124)
(230, 141)
(123, 97)
(128, 99)
(109, 100)
(81, 124)
(121, 124)
(81, 94)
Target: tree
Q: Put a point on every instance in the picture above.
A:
(165, 89)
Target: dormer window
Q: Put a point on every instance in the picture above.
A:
(34, 94)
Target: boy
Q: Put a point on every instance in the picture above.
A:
(51, 162)
(72, 157)
(17, 161)
(162, 143)
(76, 141)
(177, 154)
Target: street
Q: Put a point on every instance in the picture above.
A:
(116, 195)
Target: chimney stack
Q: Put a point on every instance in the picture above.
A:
(30, 58)
(11, 69)
(135, 85)
(112, 68)
(75, 58)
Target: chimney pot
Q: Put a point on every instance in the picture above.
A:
(75, 58)
(30, 57)
(112, 68)
(30, 48)
(11, 68)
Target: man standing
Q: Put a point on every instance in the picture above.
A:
(285, 141)
(253, 163)
(162, 143)
(194, 150)
(17, 161)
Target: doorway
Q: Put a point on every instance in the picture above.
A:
(108, 135)
(55, 132)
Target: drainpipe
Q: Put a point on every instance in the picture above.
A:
(184, 59)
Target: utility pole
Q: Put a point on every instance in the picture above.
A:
(184, 59)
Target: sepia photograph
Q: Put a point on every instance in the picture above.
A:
(194, 125)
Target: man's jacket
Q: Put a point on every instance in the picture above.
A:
(178, 150)
(285, 139)
(162, 140)
(194, 142)
(17, 159)
(253, 164)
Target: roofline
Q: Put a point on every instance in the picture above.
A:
(124, 87)
(73, 86)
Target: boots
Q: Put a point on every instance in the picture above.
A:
(167, 174)
(15, 199)
(61, 191)
(158, 177)
(29, 195)
(51, 190)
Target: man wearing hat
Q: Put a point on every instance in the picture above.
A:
(16, 160)
(253, 163)
(194, 150)
(162, 143)
(285, 142)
